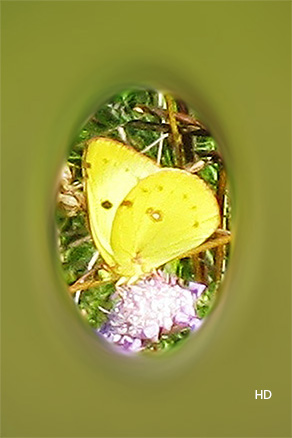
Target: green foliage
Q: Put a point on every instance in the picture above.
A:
(168, 342)
(94, 304)
(210, 174)
(206, 301)
(121, 119)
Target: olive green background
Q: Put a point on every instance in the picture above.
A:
(230, 61)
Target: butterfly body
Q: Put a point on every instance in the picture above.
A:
(141, 215)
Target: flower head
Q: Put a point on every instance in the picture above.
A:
(154, 306)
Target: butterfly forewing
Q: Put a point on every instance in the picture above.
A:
(111, 170)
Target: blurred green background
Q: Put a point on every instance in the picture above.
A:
(231, 62)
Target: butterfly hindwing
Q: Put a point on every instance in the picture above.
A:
(163, 216)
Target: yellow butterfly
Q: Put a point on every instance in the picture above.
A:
(141, 215)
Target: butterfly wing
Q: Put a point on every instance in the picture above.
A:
(111, 170)
(165, 215)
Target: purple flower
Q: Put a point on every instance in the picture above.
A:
(154, 306)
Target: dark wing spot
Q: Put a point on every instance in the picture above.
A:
(196, 224)
(145, 190)
(155, 215)
(185, 196)
(105, 160)
(160, 188)
(127, 203)
(194, 207)
(127, 169)
(106, 204)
